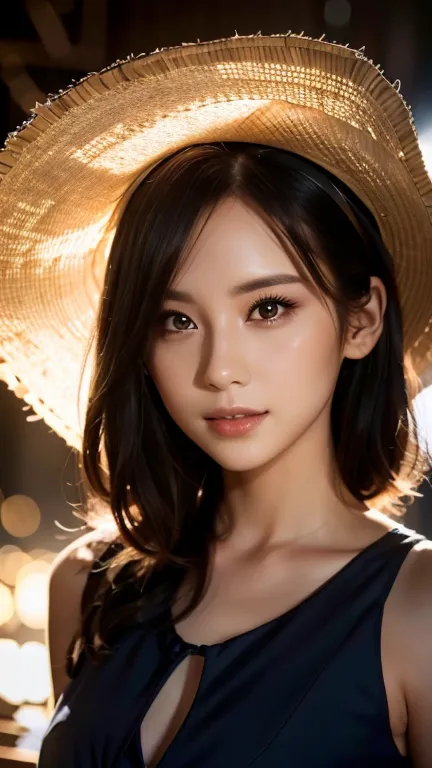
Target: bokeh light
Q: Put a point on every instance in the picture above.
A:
(34, 669)
(42, 554)
(10, 680)
(34, 720)
(425, 141)
(31, 594)
(7, 607)
(34, 566)
(12, 559)
(24, 672)
(20, 515)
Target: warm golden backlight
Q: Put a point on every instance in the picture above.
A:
(20, 515)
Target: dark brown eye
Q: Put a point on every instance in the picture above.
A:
(180, 322)
(268, 309)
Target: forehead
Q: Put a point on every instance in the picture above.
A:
(233, 242)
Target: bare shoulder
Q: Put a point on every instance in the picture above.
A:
(414, 590)
(411, 621)
(79, 556)
(68, 577)
(411, 598)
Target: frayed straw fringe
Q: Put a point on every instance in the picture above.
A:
(352, 64)
(348, 63)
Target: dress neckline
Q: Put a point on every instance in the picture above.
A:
(374, 545)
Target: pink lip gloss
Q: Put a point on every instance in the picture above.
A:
(236, 427)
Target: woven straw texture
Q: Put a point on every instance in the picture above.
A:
(63, 171)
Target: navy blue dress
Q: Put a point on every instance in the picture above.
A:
(304, 690)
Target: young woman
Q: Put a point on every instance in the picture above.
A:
(250, 428)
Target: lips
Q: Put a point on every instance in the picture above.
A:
(238, 425)
(234, 418)
(236, 412)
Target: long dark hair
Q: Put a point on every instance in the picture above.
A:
(163, 490)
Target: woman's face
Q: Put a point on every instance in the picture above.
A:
(226, 338)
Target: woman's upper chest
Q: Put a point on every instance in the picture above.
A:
(229, 613)
(266, 685)
(244, 593)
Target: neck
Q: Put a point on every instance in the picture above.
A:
(296, 495)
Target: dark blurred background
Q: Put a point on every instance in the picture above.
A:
(44, 46)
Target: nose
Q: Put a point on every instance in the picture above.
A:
(224, 361)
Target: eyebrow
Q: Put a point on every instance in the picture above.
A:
(241, 288)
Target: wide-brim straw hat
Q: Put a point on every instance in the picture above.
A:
(63, 172)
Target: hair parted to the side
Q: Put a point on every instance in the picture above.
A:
(137, 461)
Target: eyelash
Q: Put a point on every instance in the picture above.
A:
(268, 299)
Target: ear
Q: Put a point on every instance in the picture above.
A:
(365, 325)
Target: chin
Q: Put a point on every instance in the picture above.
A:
(238, 458)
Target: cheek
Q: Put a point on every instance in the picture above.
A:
(301, 359)
(171, 375)
(305, 359)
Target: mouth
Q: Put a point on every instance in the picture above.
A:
(236, 424)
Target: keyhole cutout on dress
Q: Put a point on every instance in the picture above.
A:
(169, 709)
